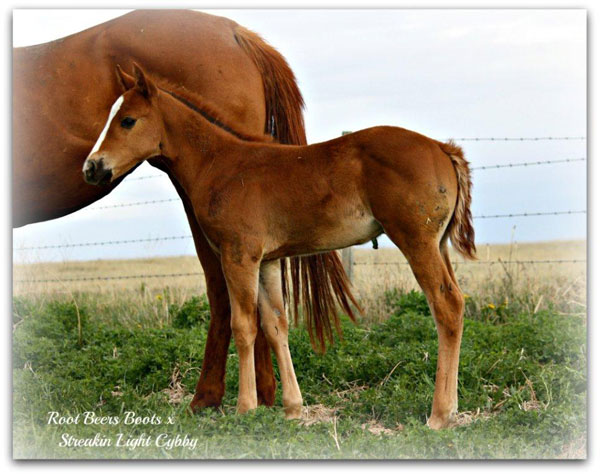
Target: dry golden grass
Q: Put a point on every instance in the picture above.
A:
(371, 269)
(494, 277)
(64, 272)
(374, 273)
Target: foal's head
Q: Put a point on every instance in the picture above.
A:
(132, 134)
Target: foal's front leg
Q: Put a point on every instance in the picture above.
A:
(211, 384)
(241, 273)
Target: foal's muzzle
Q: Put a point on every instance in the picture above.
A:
(94, 172)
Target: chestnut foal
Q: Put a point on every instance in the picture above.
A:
(257, 203)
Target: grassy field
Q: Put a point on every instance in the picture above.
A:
(104, 350)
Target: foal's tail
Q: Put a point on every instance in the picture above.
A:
(460, 230)
(318, 281)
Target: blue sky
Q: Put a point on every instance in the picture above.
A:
(444, 73)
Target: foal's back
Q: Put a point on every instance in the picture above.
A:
(340, 192)
(363, 164)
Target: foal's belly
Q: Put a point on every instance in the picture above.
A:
(348, 231)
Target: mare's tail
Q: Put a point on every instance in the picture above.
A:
(318, 281)
(283, 99)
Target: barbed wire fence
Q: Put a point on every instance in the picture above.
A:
(347, 253)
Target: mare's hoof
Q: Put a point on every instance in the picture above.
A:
(204, 400)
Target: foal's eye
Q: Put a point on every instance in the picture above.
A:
(128, 122)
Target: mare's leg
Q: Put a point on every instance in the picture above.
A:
(263, 365)
(211, 384)
(241, 271)
(447, 304)
(274, 322)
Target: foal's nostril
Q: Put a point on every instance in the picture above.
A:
(94, 172)
(90, 169)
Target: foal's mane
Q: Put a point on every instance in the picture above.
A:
(207, 110)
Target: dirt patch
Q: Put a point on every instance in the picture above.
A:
(176, 391)
(312, 414)
(466, 418)
(375, 427)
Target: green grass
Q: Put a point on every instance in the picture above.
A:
(522, 383)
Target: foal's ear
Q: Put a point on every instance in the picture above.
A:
(143, 83)
(125, 80)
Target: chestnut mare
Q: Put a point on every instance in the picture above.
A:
(258, 203)
(61, 92)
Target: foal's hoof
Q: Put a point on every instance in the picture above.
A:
(293, 413)
(245, 405)
(438, 423)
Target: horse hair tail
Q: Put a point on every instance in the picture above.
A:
(318, 281)
(460, 230)
(283, 99)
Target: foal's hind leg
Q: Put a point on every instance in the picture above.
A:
(447, 304)
(275, 326)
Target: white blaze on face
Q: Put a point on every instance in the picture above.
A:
(113, 112)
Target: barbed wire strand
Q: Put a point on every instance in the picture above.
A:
(106, 278)
(383, 263)
(183, 237)
(489, 262)
(105, 243)
(522, 139)
(134, 204)
(485, 167)
(149, 202)
(165, 238)
(145, 177)
(527, 164)
(531, 214)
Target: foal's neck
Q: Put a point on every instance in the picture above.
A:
(194, 141)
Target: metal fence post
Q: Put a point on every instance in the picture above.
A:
(347, 255)
(348, 261)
